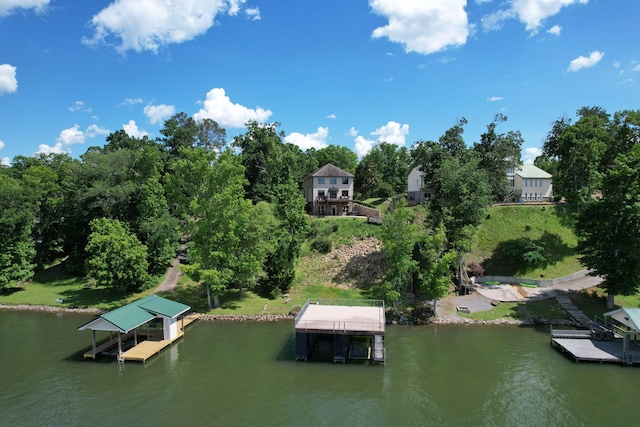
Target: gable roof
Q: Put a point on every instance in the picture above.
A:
(330, 170)
(532, 171)
(137, 313)
(627, 316)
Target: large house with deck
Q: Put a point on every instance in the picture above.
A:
(329, 191)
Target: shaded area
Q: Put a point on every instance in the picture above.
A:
(516, 257)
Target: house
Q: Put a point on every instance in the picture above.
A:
(529, 183)
(329, 191)
(416, 190)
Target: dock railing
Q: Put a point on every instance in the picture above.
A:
(341, 325)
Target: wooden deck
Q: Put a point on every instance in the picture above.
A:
(582, 347)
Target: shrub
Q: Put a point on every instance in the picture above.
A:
(322, 245)
(475, 269)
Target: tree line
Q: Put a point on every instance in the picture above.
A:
(117, 213)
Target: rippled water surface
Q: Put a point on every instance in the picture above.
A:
(232, 374)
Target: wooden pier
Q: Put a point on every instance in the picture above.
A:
(150, 347)
(591, 345)
(352, 329)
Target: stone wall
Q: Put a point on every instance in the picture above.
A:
(541, 283)
(365, 211)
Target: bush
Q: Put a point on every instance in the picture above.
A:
(475, 269)
(322, 245)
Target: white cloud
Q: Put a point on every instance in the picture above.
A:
(316, 140)
(8, 6)
(2, 144)
(79, 106)
(253, 13)
(530, 154)
(555, 30)
(95, 130)
(132, 101)
(423, 27)
(142, 25)
(585, 61)
(8, 81)
(636, 68)
(494, 98)
(331, 116)
(5, 161)
(132, 130)
(363, 145)
(158, 113)
(71, 136)
(56, 149)
(391, 133)
(219, 108)
(529, 12)
(353, 131)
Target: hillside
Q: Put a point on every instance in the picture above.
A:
(509, 231)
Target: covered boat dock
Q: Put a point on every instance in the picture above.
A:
(349, 329)
(136, 336)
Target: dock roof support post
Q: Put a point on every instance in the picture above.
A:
(119, 344)
(94, 342)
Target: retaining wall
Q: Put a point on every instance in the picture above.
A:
(541, 283)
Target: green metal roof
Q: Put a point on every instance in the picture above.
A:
(137, 313)
(532, 171)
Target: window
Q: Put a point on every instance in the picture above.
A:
(345, 180)
(321, 210)
(427, 196)
(333, 180)
(345, 209)
(345, 193)
(320, 193)
(525, 182)
(333, 194)
(321, 180)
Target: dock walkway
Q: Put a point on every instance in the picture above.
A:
(150, 347)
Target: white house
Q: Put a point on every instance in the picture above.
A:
(529, 183)
(329, 191)
(416, 190)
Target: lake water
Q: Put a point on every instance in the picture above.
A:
(244, 374)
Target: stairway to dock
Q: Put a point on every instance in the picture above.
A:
(578, 316)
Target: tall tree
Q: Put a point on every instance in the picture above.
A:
(16, 221)
(579, 149)
(338, 155)
(261, 154)
(608, 228)
(179, 131)
(210, 136)
(436, 266)
(115, 256)
(398, 240)
(496, 153)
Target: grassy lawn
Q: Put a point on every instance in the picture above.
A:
(546, 309)
(499, 236)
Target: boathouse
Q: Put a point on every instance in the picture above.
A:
(346, 329)
(133, 325)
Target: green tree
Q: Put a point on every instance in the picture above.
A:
(436, 266)
(608, 228)
(497, 152)
(230, 235)
(398, 240)
(579, 149)
(115, 256)
(367, 178)
(16, 221)
(338, 155)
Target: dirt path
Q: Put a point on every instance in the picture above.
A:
(174, 274)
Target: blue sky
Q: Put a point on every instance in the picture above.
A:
(331, 72)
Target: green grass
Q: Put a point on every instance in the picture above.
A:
(545, 309)
(341, 230)
(548, 226)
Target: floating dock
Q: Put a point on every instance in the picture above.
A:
(349, 329)
(595, 346)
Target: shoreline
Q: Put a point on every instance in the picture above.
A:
(208, 317)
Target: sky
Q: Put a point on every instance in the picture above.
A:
(348, 73)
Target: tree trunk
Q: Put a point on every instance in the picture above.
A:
(610, 302)
(435, 306)
(216, 301)
(209, 298)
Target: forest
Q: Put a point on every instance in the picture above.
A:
(118, 214)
